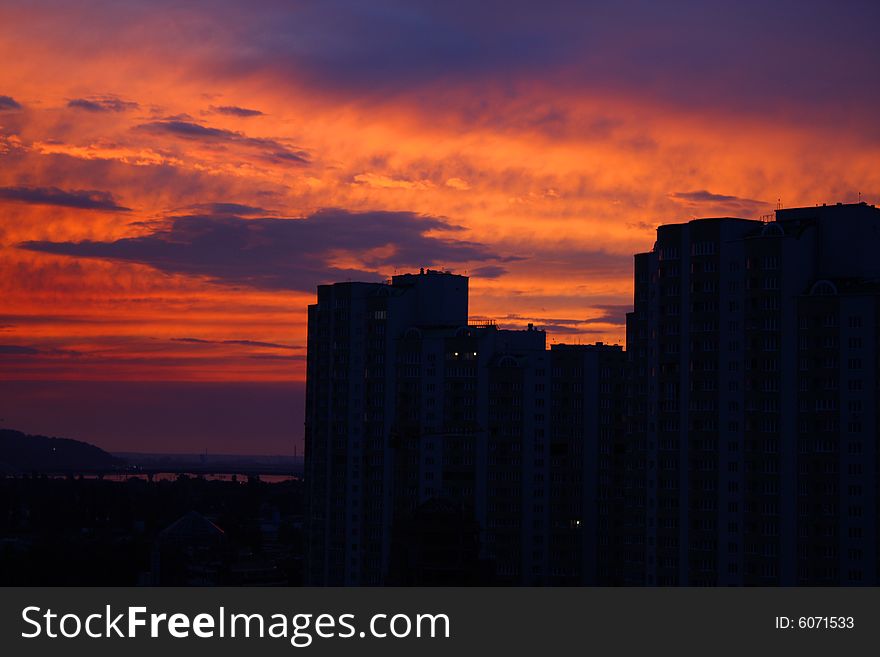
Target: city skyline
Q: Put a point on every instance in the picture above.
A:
(176, 178)
(734, 442)
(96, 414)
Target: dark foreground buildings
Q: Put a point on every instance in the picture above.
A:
(442, 451)
(735, 442)
(751, 440)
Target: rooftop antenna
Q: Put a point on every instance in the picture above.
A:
(860, 197)
(778, 203)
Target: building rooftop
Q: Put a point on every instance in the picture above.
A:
(598, 346)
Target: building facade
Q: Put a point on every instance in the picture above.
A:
(750, 450)
(442, 451)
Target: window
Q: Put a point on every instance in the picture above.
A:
(703, 248)
(823, 288)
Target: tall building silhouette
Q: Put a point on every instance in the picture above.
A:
(351, 378)
(443, 451)
(750, 451)
(735, 442)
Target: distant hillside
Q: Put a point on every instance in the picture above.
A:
(21, 453)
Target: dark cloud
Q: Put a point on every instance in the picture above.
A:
(27, 320)
(489, 271)
(244, 343)
(85, 199)
(188, 129)
(102, 104)
(379, 46)
(8, 103)
(642, 225)
(271, 149)
(237, 209)
(277, 356)
(232, 110)
(292, 254)
(703, 197)
(716, 54)
(25, 350)
(611, 314)
(16, 350)
(784, 60)
(257, 343)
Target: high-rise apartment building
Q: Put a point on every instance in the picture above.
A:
(586, 421)
(442, 451)
(734, 443)
(351, 389)
(750, 451)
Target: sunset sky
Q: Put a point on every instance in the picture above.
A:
(177, 177)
